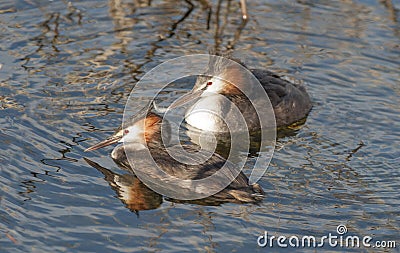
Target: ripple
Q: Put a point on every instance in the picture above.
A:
(67, 69)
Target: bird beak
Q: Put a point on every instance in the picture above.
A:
(111, 140)
(192, 95)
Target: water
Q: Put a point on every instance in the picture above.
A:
(68, 68)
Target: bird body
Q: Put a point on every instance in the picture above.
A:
(229, 91)
(145, 134)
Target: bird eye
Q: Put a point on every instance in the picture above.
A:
(209, 83)
(126, 131)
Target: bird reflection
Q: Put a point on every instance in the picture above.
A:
(130, 190)
(136, 196)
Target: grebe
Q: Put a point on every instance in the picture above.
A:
(144, 131)
(290, 102)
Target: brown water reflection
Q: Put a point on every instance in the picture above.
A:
(130, 190)
(137, 196)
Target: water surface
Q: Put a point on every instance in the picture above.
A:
(68, 68)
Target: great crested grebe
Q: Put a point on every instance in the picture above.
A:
(144, 131)
(290, 102)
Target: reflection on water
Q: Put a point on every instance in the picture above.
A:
(134, 194)
(137, 196)
(67, 70)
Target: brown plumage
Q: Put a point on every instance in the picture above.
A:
(238, 190)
